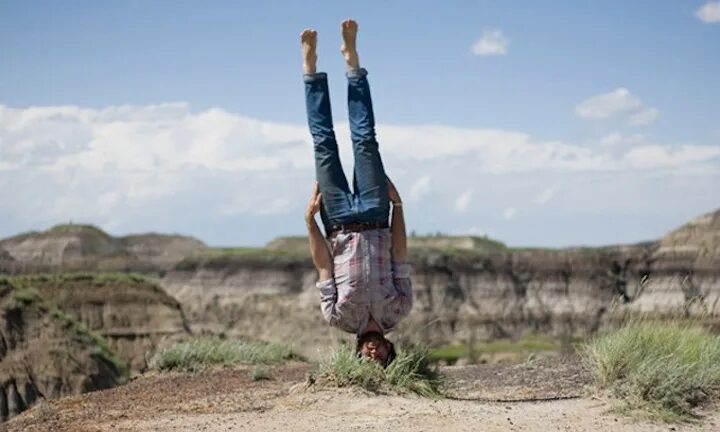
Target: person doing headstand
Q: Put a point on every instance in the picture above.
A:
(364, 281)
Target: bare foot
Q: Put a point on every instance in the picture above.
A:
(308, 39)
(348, 48)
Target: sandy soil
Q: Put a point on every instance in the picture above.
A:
(544, 395)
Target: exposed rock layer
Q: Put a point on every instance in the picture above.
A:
(44, 353)
(462, 295)
(134, 315)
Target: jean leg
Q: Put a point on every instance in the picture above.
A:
(370, 183)
(337, 198)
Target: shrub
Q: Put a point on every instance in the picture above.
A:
(202, 352)
(664, 369)
(409, 373)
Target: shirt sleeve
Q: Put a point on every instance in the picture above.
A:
(328, 298)
(401, 279)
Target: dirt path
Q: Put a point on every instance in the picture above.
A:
(228, 400)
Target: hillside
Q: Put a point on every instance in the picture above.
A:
(86, 248)
(69, 334)
(45, 353)
(132, 313)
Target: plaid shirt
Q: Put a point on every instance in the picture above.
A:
(365, 283)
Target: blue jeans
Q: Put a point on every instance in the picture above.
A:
(369, 202)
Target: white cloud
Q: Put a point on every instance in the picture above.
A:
(463, 200)
(419, 188)
(610, 104)
(508, 213)
(709, 13)
(126, 166)
(644, 117)
(546, 195)
(617, 103)
(491, 42)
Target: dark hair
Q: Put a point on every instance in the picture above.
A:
(390, 346)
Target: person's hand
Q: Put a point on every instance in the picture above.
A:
(393, 193)
(314, 203)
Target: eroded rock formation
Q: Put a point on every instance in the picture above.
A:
(466, 294)
(44, 353)
(134, 315)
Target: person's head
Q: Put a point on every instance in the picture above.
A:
(374, 346)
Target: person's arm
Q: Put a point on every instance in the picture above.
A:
(318, 247)
(322, 260)
(397, 226)
(401, 304)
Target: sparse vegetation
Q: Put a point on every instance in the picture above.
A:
(409, 373)
(200, 353)
(26, 295)
(82, 334)
(657, 369)
(28, 281)
(74, 228)
(229, 258)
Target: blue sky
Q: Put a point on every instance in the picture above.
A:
(627, 90)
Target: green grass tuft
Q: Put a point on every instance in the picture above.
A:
(26, 295)
(409, 373)
(661, 370)
(203, 352)
(84, 335)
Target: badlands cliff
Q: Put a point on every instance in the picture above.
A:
(74, 333)
(44, 353)
(462, 293)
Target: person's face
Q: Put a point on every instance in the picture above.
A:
(375, 348)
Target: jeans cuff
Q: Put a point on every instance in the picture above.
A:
(356, 73)
(308, 78)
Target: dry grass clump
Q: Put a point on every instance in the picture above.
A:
(410, 372)
(663, 370)
(200, 353)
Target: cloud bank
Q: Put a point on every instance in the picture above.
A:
(238, 180)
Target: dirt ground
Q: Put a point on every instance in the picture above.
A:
(540, 395)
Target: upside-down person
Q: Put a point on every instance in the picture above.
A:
(364, 281)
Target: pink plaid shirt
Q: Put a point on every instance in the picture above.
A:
(366, 282)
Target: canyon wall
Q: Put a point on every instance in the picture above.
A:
(462, 293)
(44, 353)
(134, 315)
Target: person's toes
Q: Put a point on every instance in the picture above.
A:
(348, 25)
(308, 34)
